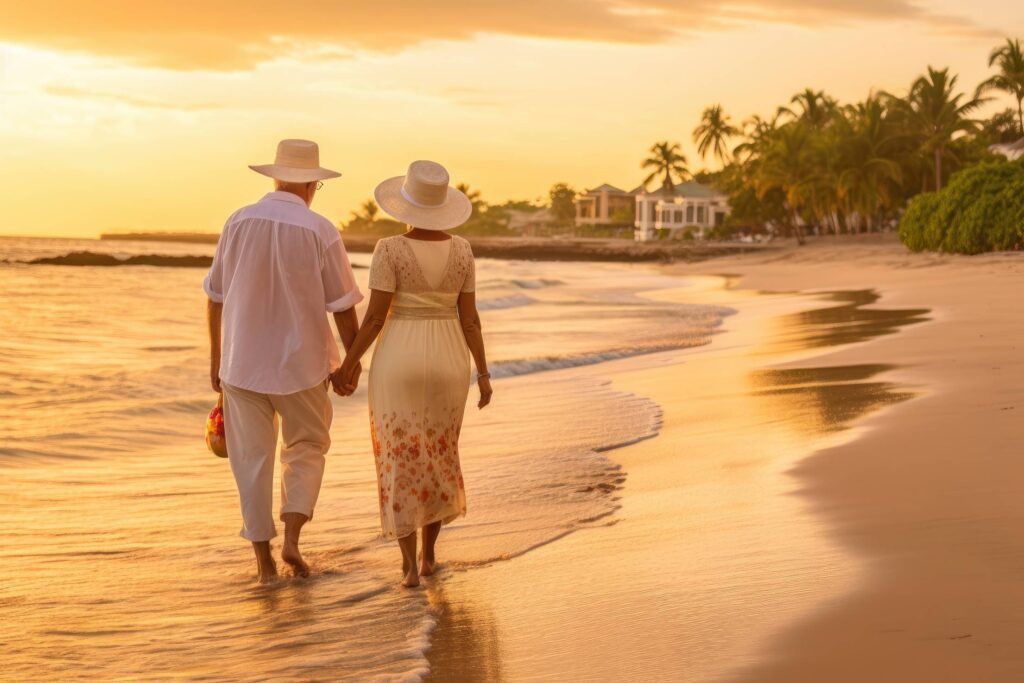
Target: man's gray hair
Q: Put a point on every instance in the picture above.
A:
(282, 185)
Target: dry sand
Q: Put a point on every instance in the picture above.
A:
(798, 518)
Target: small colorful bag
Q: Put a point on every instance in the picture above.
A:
(215, 439)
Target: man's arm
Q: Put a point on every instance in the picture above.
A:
(213, 317)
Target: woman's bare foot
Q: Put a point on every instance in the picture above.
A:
(427, 565)
(408, 546)
(411, 580)
(290, 554)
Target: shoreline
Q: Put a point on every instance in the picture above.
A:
(525, 248)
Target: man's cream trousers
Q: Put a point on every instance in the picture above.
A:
(251, 423)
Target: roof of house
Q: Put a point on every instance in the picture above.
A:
(606, 188)
(691, 189)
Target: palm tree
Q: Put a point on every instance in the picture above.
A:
(368, 211)
(868, 171)
(666, 160)
(786, 164)
(472, 195)
(757, 131)
(1010, 78)
(815, 107)
(933, 115)
(713, 132)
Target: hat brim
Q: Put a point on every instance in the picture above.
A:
(294, 175)
(455, 211)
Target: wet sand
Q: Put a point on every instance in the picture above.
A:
(929, 497)
(834, 494)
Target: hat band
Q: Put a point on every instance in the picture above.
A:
(289, 161)
(418, 204)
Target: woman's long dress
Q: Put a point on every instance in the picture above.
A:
(419, 381)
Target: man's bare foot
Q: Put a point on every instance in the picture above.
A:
(411, 580)
(266, 573)
(290, 554)
(266, 568)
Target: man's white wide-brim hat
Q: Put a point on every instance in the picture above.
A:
(297, 161)
(423, 199)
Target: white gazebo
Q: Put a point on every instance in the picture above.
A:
(688, 206)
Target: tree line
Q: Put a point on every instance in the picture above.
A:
(828, 167)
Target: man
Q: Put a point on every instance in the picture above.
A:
(279, 266)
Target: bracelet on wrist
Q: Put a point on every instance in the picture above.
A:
(481, 375)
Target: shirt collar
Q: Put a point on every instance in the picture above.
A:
(284, 197)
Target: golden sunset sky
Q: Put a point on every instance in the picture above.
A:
(143, 115)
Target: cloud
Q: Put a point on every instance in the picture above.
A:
(119, 98)
(236, 34)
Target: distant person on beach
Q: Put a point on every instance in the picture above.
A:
(423, 307)
(278, 267)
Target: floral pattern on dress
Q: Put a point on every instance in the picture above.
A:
(418, 472)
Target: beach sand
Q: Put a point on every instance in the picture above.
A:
(834, 494)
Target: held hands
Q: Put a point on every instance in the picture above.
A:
(483, 382)
(345, 379)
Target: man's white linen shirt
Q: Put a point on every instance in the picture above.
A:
(278, 267)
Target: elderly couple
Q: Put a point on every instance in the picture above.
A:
(279, 267)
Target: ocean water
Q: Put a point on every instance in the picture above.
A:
(121, 557)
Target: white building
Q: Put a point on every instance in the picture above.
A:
(689, 206)
(1011, 150)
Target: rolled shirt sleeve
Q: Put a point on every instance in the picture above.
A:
(213, 283)
(340, 289)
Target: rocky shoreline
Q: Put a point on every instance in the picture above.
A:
(526, 248)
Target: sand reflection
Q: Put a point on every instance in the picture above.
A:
(465, 645)
(847, 323)
(826, 399)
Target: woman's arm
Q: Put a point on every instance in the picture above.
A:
(470, 319)
(346, 378)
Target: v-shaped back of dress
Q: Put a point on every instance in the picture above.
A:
(432, 257)
(395, 268)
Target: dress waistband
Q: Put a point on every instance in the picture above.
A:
(423, 313)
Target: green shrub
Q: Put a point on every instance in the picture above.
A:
(982, 209)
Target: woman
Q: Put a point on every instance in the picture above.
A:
(423, 306)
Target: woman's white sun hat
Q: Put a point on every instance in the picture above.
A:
(298, 161)
(423, 199)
